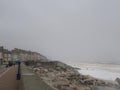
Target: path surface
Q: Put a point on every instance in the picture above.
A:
(31, 81)
(107, 88)
(2, 68)
(8, 79)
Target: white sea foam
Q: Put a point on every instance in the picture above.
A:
(101, 71)
(101, 74)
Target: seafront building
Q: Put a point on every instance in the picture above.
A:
(15, 54)
(25, 55)
(5, 55)
(1, 55)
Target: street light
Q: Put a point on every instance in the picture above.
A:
(18, 74)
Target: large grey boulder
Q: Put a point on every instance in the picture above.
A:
(118, 80)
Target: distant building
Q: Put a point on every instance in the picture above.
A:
(1, 54)
(7, 55)
(24, 55)
(15, 54)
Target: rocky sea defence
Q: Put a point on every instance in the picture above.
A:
(61, 76)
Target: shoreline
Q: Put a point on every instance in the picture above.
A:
(61, 76)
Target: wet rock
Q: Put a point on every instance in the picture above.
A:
(118, 80)
(36, 69)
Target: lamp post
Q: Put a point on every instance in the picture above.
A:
(18, 74)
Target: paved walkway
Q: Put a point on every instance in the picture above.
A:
(8, 79)
(31, 81)
(2, 68)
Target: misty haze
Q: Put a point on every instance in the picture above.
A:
(54, 37)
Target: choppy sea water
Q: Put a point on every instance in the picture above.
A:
(103, 71)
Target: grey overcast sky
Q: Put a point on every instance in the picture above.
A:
(73, 30)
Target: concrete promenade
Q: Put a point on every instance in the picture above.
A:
(31, 81)
(8, 79)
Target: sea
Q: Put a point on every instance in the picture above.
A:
(103, 71)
